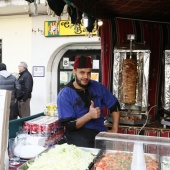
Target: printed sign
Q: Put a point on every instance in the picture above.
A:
(64, 28)
(38, 71)
(65, 62)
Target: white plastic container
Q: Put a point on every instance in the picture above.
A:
(138, 160)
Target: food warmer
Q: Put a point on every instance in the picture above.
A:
(131, 81)
(154, 152)
(157, 148)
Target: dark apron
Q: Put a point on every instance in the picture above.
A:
(82, 137)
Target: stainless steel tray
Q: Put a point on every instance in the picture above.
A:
(129, 122)
(154, 156)
(133, 122)
(164, 161)
(25, 166)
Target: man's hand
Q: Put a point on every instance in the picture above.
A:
(115, 124)
(94, 113)
(113, 130)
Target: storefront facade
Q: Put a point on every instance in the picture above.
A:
(23, 39)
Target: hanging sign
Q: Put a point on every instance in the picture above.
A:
(64, 28)
(65, 62)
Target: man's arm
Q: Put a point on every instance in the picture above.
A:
(115, 114)
(94, 113)
(115, 124)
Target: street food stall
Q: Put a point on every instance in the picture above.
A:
(154, 151)
(112, 151)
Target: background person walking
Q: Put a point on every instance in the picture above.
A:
(9, 82)
(26, 81)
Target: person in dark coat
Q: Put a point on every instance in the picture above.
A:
(26, 81)
(9, 82)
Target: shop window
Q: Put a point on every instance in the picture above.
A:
(66, 65)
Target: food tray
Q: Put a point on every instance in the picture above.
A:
(92, 150)
(154, 156)
(129, 122)
(164, 161)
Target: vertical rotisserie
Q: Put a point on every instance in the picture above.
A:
(129, 75)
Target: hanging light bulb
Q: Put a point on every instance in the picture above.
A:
(85, 20)
(100, 22)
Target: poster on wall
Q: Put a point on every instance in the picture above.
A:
(95, 64)
(64, 28)
(95, 76)
(38, 71)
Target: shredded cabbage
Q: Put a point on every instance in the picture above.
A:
(63, 157)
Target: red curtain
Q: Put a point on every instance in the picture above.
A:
(150, 34)
(106, 54)
(155, 35)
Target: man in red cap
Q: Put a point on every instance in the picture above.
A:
(80, 106)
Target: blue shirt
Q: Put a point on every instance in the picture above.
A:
(71, 106)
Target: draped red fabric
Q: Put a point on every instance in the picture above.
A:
(106, 54)
(154, 35)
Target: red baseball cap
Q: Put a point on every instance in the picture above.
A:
(82, 62)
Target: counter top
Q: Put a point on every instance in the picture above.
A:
(152, 126)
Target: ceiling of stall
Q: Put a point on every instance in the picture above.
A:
(154, 10)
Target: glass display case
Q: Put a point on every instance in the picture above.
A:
(157, 148)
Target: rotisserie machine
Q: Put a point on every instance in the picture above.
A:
(131, 81)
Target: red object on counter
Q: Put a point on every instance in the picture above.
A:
(42, 125)
(14, 167)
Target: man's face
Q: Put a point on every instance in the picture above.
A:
(82, 76)
(21, 69)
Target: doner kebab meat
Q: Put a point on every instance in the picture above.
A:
(129, 75)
